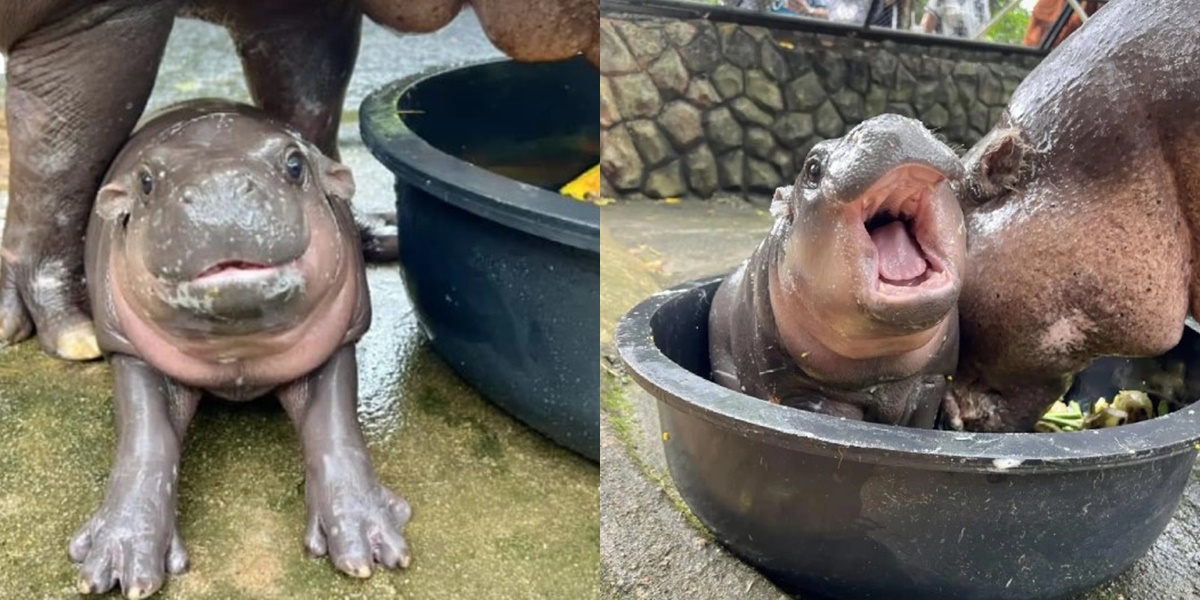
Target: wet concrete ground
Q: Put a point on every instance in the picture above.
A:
(499, 511)
(650, 544)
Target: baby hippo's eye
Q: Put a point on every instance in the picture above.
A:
(294, 163)
(812, 171)
(147, 181)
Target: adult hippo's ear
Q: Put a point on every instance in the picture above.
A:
(998, 166)
(113, 201)
(781, 204)
(335, 179)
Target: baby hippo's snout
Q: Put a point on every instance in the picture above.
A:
(872, 151)
(225, 243)
(233, 216)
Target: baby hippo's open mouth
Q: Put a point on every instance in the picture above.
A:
(904, 240)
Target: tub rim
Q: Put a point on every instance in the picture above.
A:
(887, 445)
(521, 206)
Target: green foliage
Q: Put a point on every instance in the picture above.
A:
(1011, 27)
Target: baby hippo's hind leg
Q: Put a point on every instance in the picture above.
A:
(351, 516)
(380, 243)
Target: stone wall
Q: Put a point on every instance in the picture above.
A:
(692, 108)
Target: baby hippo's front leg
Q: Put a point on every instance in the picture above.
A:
(133, 537)
(351, 516)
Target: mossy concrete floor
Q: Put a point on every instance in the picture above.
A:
(499, 511)
(651, 546)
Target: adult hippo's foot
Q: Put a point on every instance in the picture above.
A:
(15, 322)
(525, 30)
(64, 330)
(352, 518)
(133, 540)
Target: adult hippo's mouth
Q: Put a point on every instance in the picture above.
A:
(903, 240)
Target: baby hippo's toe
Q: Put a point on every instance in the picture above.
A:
(111, 554)
(358, 533)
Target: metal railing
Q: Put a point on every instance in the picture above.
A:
(682, 9)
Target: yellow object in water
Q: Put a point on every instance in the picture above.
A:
(584, 188)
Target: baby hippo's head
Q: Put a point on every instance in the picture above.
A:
(226, 223)
(871, 238)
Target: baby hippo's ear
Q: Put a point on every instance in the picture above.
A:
(113, 201)
(334, 178)
(781, 204)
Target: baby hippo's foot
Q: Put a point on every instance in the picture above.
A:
(63, 329)
(379, 240)
(355, 520)
(132, 539)
(951, 416)
(971, 405)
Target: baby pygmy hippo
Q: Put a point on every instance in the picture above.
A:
(848, 307)
(222, 258)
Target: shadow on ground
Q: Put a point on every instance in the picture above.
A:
(650, 544)
(499, 511)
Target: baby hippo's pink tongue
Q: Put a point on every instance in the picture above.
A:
(899, 257)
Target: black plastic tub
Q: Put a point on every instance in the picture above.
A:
(504, 272)
(843, 509)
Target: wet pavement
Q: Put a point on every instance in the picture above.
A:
(650, 544)
(499, 511)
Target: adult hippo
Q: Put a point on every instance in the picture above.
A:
(1083, 214)
(847, 307)
(80, 73)
(223, 259)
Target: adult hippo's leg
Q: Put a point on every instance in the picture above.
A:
(298, 58)
(541, 30)
(525, 30)
(133, 537)
(351, 516)
(70, 107)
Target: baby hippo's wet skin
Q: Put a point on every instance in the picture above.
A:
(222, 257)
(848, 307)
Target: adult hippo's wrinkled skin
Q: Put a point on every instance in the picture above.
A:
(223, 258)
(1083, 213)
(526, 30)
(79, 73)
(848, 306)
